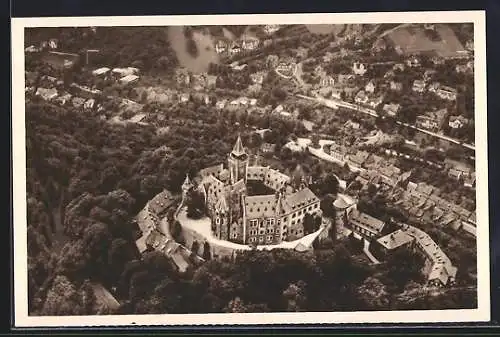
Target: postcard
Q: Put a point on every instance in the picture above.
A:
(250, 169)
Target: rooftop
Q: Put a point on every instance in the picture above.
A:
(395, 239)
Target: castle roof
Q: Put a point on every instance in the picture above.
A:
(395, 239)
(366, 221)
(238, 148)
(260, 206)
(297, 200)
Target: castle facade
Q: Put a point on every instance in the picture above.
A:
(253, 219)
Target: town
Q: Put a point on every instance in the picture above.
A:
(336, 135)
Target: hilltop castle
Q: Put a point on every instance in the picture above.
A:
(253, 219)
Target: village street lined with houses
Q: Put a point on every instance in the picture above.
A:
(287, 140)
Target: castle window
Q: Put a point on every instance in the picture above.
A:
(261, 239)
(234, 235)
(252, 239)
(258, 209)
(217, 221)
(271, 230)
(269, 238)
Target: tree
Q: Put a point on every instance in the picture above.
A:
(330, 185)
(195, 205)
(373, 295)
(195, 247)
(309, 223)
(295, 295)
(207, 255)
(327, 207)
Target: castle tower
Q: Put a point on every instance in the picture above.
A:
(187, 185)
(222, 219)
(238, 162)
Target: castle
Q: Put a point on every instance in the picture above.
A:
(253, 219)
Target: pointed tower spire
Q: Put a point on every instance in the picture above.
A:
(238, 149)
(187, 183)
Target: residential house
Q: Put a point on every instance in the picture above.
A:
(221, 46)
(89, 104)
(129, 79)
(418, 86)
(470, 181)
(345, 78)
(63, 99)
(270, 29)
(182, 76)
(78, 102)
(370, 87)
(361, 97)
(447, 92)
(374, 102)
(398, 67)
(359, 68)
(221, 104)
(391, 109)
(327, 81)
(249, 42)
(46, 94)
(211, 81)
(339, 152)
(365, 225)
(389, 74)
(31, 49)
(121, 72)
(267, 147)
(432, 120)
(390, 243)
(235, 48)
(184, 97)
(258, 77)
(358, 159)
(101, 71)
(53, 43)
(457, 122)
(437, 60)
(396, 86)
(434, 87)
(413, 61)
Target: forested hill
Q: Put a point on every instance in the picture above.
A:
(146, 48)
(86, 178)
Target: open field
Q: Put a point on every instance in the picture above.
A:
(414, 39)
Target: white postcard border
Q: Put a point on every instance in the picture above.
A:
(481, 314)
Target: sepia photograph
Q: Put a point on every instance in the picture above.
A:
(250, 169)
